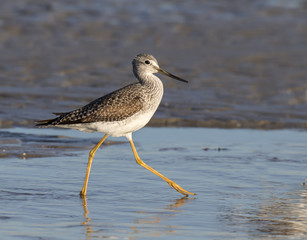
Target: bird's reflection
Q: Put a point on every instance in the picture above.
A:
(152, 218)
(138, 223)
(87, 220)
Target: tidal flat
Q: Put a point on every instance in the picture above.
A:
(249, 185)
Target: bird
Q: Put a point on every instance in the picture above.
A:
(121, 112)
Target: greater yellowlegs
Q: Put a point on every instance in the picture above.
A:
(121, 112)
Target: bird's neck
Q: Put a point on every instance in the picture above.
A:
(150, 80)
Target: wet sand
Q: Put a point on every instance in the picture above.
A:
(246, 60)
(248, 185)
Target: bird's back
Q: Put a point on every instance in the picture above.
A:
(116, 106)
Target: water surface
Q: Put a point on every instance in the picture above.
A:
(248, 185)
(245, 60)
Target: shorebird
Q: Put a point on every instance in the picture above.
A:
(120, 113)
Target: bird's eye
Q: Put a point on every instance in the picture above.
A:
(147, 62)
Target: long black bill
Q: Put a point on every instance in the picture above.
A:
(160, 70)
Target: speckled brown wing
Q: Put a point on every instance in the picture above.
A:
(115, 106)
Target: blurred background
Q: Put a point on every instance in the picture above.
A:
(245, 60)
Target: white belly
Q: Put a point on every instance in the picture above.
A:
(116, 128)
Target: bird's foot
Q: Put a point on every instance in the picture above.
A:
(179, 189)
(83, 193)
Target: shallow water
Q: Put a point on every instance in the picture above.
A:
(248, 185)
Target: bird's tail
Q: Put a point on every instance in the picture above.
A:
(45, 123)
(48, 122)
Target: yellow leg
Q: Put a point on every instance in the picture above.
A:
(90, 160)
(170, 182)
